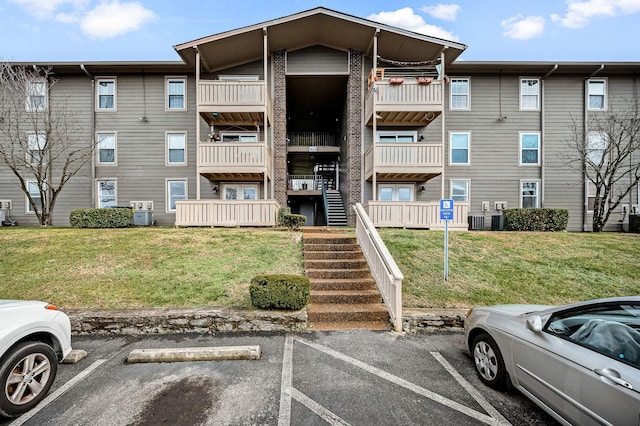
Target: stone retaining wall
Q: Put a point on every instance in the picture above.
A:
(220, 319)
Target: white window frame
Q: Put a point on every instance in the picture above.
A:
(604, 95)
(451, 134)
(37, 143)
(240, 188)
(523, 106)
(167, 82)
(395, 191)
(597, 142)
(240, 136)
(522, 148)
(467, 184)
(537, 195)
(590, 192)
(396, 134)
(37, 88)
(467, 94)
(168, 149)
(238, 77)
(115, 93)
(99, 149)
(99, 202)
(171, 197)
(35, 195)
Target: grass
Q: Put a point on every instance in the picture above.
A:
(169, 267)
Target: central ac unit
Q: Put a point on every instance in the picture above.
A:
(476, 222)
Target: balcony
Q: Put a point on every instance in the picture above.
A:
(412, 161)
(402, 101)
(234, 160)
(313, 142)
(234, 102)
(226, 213)
(415, 214)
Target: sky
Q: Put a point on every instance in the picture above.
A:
(147, 30)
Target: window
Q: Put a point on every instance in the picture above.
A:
(176, 190)
(37, 143)
(106, 193)
(238, 77)
(36, 95)
(596, 147)
(529, 194)
(106, 97)
(390, 136)
(176, 94)
(106, 148)
(239, 137)
(34, 192)
(176, 148)
(529, 93)
(591, 195)
(397, 192)
(530, 149)
(459, 144)
(460, 190)
(240, 192)
(459, 93)
(597, 95)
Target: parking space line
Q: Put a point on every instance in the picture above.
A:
(404, 383)
(470, 389)
(284, 415)
(326, 415)
(59, 392)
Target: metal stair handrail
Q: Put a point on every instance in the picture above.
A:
(324, 200)
(384, 269)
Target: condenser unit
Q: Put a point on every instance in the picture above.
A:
(476, 222)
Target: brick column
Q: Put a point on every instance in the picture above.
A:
(280, 128)
(352, 191)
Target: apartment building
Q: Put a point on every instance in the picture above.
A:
(320, 110)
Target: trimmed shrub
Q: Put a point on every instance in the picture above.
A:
(118, 217)
(536, 219)
(282, 213)
(294, 221)
(279, 291)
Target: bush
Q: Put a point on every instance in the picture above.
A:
(279, 291)
(536, 219)
(102, 218)
(282, 213)
(293, 221)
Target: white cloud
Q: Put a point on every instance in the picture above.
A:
(523, 28)
(407, 19)
(45, 9)
(446, 12)
(114, 19)
(580, 12)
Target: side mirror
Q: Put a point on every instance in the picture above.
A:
(534, 324)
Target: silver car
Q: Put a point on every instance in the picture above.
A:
(34, 337)
(579, 362)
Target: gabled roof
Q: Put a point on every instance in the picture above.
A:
(319, 26)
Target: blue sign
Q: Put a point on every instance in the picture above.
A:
(446, 209)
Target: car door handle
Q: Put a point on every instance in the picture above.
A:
(613, 376)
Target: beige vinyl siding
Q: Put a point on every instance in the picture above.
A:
(251, 68)
(317, 60)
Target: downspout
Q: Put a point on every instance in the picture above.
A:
(542, 136)
(374, 89)
(198, 129)
(585, 205)
(93, 135)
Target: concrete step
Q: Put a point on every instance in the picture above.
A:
(325, 255)
(345, 296)
(342, 312)
(328, 239)
(311, 264)
(355, 284)
(338, 274)
(350, 325)
(331, 247)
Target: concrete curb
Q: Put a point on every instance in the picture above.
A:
(220, 353)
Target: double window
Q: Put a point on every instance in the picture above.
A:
(596, 148)
(460, 97)
(459, 147)
(177, 149)
(395, 192)
(106, 94)
(529, 93)
(597, 94)
(530, 149)
(240, 192)
(37, 95)
(106, 148)
(176, 190)
(37, 144)
(176, 93)
(529, 194)
(397, 137)
(460, 190)
(107, 193)
(239, 137)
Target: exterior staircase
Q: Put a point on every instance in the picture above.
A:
(337, 216)
(343, 293)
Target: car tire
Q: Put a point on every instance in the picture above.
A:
(488, 361)
(26, 375)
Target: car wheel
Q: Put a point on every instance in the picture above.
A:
(488, 361)
(26, 375)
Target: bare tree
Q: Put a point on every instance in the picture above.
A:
(39, 136)
(608, 155)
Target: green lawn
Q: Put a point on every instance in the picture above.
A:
(143, 267)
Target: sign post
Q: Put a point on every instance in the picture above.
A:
(446, 214)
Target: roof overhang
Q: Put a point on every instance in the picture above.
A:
(317, 26)
(542, 68)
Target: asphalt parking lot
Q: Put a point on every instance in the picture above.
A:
(307, 378)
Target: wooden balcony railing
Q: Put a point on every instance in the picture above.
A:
(312, 139)
(415, 214)
(226, 213)
(408, 96)
(235, 157)
(224, 94)
(403, 158)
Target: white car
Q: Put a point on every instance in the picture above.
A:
(579, 362)
(34, 338)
